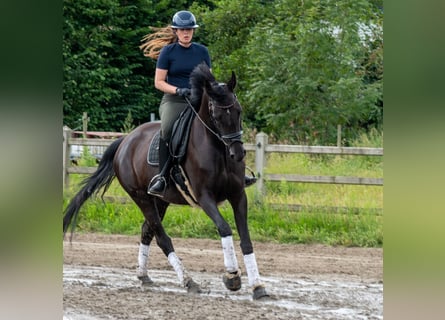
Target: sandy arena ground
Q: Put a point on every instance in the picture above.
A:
(304, 282)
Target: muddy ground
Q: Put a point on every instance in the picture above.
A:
(304, 282)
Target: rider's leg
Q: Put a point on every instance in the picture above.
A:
(159, 182)
(169, 110)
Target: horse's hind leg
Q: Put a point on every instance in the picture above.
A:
(154, 212)
(147, 235)
(144, 251)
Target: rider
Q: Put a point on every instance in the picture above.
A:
(176, 56)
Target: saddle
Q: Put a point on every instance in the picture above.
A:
(178, 148)
(180, 135)
(178, 141)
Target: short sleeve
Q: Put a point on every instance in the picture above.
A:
(162, 62)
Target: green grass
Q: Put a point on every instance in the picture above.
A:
(346, 215)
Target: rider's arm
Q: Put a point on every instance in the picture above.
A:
(161, 83)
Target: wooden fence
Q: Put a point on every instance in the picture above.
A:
(261, 148)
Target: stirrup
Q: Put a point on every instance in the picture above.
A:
(157, 179)
(248, 181)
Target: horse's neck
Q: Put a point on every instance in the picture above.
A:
(204, 111)
(203, 120)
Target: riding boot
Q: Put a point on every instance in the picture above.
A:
(159, 182)
(248, 181)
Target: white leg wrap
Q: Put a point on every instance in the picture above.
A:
(230, 261)
(253, 275)
(144, 251)
(177, 265)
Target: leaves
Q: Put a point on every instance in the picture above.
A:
(303, 66)
(105, 74)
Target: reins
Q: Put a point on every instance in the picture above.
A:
(232, 137)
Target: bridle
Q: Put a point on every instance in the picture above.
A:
(227, 139)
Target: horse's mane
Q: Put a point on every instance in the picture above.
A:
(202, 78)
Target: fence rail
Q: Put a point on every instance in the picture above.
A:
(325, 179)
(261, 148)
(317, 149)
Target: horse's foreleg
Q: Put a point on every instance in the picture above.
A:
(230, 260)
(240, 210)
(232, 277)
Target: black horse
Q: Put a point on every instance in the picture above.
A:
(213, 168)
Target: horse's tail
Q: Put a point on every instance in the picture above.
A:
(101, 178)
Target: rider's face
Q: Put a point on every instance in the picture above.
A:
(185, 36)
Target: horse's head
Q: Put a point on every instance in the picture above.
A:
(220, 108)
(225, 113)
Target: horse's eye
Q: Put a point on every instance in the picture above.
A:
(217, 115)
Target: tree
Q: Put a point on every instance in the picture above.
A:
(225, 28)
(85, 62)
(105, 73)
(304, 67)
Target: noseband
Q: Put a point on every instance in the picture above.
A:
(232, 138)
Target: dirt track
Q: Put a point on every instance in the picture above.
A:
(304, 281)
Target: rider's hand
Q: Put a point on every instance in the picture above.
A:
(183, 92)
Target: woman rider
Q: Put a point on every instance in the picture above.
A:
(176, 56)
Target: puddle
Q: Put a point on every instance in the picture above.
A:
(310, 297)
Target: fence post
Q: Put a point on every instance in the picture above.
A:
(339, 135)
(85, 121)
(66, 155)
(261, 141)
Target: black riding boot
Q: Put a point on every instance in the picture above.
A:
(159, 182)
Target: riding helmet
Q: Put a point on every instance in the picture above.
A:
(184, 20)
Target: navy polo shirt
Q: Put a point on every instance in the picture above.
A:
(180, 62)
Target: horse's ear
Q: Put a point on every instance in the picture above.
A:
(232, 83)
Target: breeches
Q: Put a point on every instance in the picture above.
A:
(169, 110)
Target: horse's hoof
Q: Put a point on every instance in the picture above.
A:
(145, 280)
(259, 292)
(192, 287)
(232, 281)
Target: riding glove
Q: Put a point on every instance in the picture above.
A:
(183, 92)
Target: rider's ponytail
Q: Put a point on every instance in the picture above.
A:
(152, 43)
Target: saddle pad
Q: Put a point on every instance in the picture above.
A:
(153, 151)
